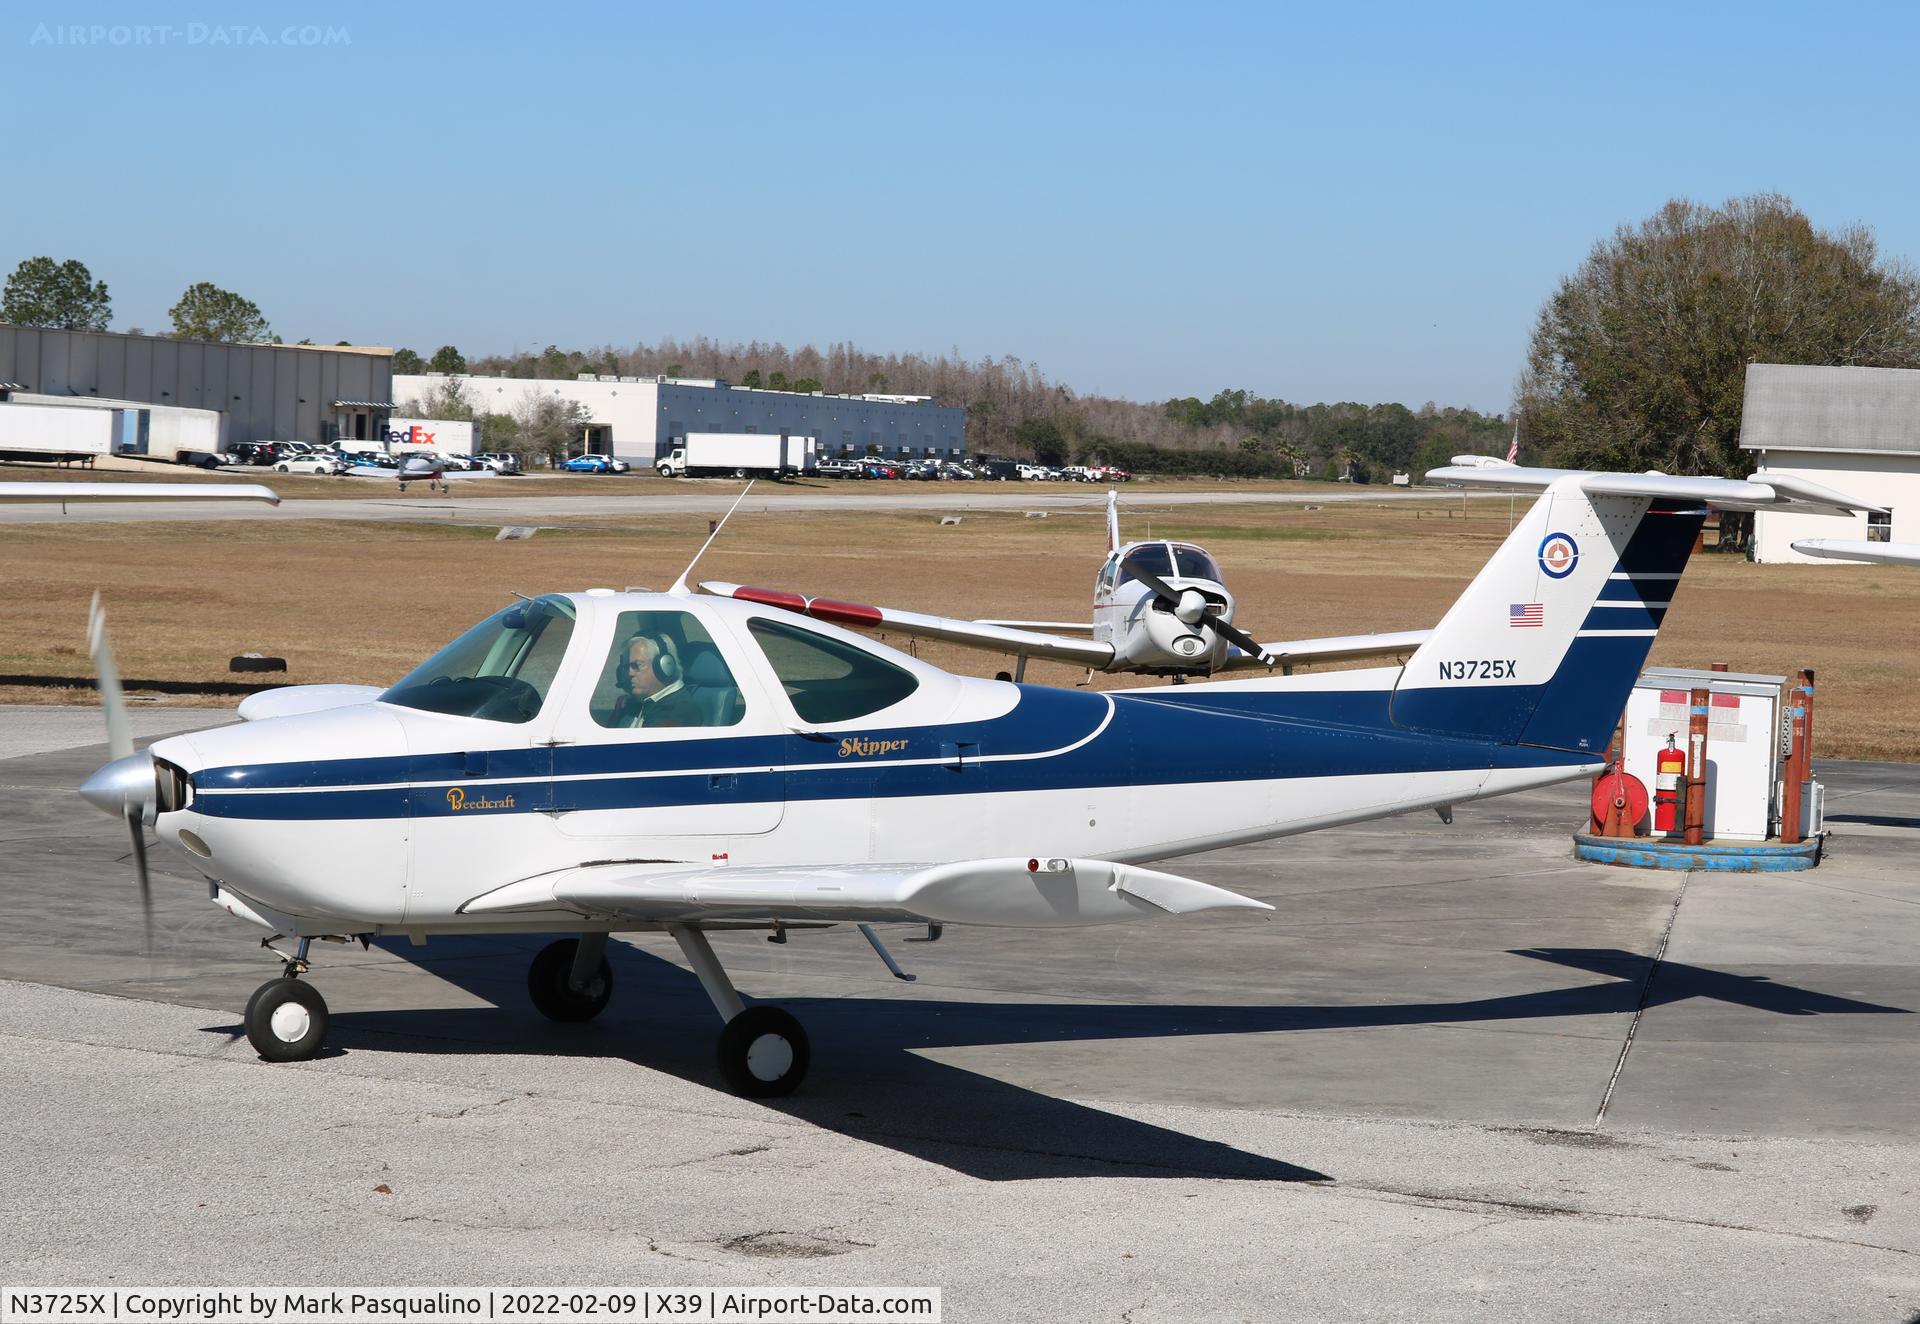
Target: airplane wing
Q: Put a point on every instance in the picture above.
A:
(998, 638)
(1072, 627)
(1761, 490)
(1008, 893)
(1854, 549)
(138, 492)
(1333, 648)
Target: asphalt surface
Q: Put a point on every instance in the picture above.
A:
(1446, 1079)
(520, 501)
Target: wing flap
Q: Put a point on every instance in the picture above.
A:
(1058, 893)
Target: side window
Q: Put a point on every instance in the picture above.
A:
(827, 680)
(664, 671)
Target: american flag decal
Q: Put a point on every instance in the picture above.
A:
(1526, 614)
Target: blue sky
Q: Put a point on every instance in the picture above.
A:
(1315, 202)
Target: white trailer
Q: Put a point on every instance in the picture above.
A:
(738, 454)
(54, 432)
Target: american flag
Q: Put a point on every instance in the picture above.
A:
(1526, 613)
(1513, 448)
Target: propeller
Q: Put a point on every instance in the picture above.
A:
(125, 786)
(1189, 606)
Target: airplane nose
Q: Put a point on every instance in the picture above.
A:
(113, 786)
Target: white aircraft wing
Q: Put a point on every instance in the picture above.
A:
(138, 492)
(1854, 549)
(1759, 491)
(976, 634)
(1333, 648)
(1009, 893)
(1073, 627)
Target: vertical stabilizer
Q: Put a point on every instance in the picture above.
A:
(1545, 644)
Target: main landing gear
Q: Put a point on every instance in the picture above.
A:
(286, 1020)
(763, 1052)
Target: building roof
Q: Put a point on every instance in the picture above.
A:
(1801, 407)
(361, 404)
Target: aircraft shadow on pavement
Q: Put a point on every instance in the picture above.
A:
(869, 1083)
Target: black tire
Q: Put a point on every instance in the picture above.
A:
(763, 1053)
(286, 1020)
(553, 998)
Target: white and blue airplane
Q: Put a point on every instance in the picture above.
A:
(596, 762)
(1160, 608)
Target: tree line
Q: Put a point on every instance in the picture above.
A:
(1637, 361)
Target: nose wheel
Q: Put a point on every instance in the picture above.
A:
(570, 980)
(286, 1020)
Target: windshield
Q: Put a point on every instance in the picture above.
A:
(1195, 564)
(1151, 557)
(499, 671)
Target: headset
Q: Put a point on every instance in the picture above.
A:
(666, 662)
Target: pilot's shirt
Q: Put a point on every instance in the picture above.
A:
(665, 707)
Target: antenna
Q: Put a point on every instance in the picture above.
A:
(679, 589)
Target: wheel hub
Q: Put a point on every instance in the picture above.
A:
(290, 1022)
(770, 1057)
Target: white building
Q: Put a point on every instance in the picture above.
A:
(1856, 430)
(639, 418)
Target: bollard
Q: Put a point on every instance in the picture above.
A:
(1798, 767)
(1698, 702)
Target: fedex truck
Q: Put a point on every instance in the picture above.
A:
(739, 455)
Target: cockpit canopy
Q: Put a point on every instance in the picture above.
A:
(500, 670)
(1170, 560)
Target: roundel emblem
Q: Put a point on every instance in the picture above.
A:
(1559, 554)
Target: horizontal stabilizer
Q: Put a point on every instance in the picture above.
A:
(77, 492)
(1760, 491)
(1054, 893)
(293, 700)
(1854, 549)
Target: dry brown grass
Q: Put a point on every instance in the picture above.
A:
(359, 602)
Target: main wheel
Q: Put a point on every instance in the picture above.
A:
(286, 1020)
(558, 1000)
(763, 1053)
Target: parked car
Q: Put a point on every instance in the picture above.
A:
(1005, 471)
(309, 464)
(589, 464)
(501, 462)
(261, 454)
(879, 469)
(840, 469)
(959, 471)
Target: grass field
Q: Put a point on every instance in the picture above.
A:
(362, 602)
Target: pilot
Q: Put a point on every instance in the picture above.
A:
(655, 694)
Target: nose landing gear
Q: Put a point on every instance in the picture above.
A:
(286, 1020)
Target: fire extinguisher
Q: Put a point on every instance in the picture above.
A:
(1670, 776)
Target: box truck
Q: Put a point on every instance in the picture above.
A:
(738, 454)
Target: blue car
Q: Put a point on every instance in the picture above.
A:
(589, 464)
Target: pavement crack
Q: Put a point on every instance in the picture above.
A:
(1646, 994)
(471, 1108)
(1542, 1209)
